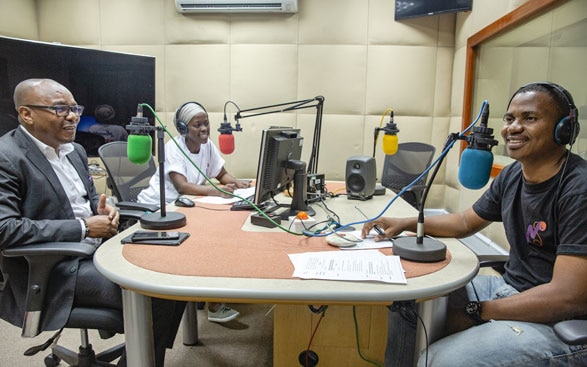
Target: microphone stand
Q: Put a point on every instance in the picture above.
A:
(161, 219)
(422, 248)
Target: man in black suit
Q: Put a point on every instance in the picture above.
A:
(47, 194)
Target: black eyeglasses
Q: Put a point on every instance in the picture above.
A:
(61, 110)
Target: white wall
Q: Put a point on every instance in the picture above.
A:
(352, 52)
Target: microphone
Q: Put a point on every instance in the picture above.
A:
(389, 142)
(477, 159)
(226, 139)
(140, 144)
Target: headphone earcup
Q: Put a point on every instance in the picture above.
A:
(563, 132)
(181, 127)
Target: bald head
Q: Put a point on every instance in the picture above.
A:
(28, 91)
(34, 100)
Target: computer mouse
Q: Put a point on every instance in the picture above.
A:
(184, 202)
(346, 239)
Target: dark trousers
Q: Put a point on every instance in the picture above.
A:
(402, 320)
(94, 290)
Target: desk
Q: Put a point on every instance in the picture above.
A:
(139, 284)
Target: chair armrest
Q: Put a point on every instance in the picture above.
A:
(497, 262)
(131, 214)
(417, 188)
(42, 258)
(492, 260)
(130, 205)
(51, 248)
(573, 332)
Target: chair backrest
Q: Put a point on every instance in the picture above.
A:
(126, 179)
(403, 167)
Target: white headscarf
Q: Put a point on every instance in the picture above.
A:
(188, 111)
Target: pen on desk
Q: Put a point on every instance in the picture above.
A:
(375, 226)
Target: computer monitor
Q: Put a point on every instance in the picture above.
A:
(280, 167)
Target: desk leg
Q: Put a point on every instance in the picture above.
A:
(190, 324)
(138, 329)
(433, 314)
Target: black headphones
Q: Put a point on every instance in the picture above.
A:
(182, 126)
(567, 129)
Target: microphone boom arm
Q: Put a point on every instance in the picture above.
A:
(317, 102)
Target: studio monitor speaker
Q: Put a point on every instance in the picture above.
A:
(360, 177)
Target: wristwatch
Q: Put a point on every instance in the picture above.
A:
(473, 310)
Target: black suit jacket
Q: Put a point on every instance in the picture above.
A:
(35, 209)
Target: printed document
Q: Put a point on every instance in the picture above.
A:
(366, 265)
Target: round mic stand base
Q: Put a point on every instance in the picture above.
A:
(170, 220)
(430, 250)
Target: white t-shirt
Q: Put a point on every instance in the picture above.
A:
(208, 159)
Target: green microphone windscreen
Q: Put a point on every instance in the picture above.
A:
(139, 148)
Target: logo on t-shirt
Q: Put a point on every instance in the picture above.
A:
(533, 233)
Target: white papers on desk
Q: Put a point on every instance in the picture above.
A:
(243, 193)
(369, 265)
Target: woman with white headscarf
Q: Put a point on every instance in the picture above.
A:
(182, 178)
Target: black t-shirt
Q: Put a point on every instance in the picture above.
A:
(541, 220)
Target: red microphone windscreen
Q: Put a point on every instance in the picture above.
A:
(226, 143)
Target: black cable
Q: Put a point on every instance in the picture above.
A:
(321, 309)
(557, 197)
(427, 342)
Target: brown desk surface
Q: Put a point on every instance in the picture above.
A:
(218, 247)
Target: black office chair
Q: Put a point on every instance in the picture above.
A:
(127, 180)
(572, 332)
(403, 167)
(41, 259)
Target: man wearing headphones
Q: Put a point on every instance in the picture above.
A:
(182, 178)
(541, 200)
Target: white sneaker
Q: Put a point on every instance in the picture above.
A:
(223, 314)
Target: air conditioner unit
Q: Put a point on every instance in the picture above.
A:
(237, 6)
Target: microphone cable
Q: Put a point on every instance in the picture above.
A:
(376, 137)
(452, 139)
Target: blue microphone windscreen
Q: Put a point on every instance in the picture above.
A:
(475, 168)
(139, 148)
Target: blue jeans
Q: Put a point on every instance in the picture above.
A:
(495, 343)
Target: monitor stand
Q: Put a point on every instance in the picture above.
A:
(300, 196)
